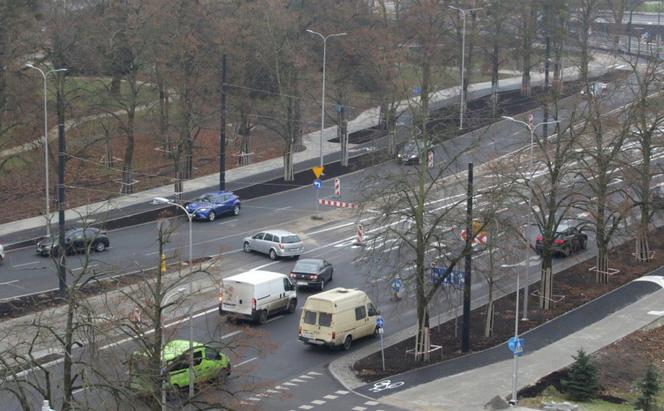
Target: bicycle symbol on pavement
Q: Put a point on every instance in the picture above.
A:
(385, 385)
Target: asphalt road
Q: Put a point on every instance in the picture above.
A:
(270, 354)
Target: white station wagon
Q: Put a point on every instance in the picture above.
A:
(275, 243)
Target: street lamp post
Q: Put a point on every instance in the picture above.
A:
(47, 214)
(515, 368)
(463, 59)
(322, 108)
(162, 200)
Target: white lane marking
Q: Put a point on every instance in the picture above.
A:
(246, 362)
(89, 266)
(520, 262)
(273, 319)
(9, 282)
(657, 313)
(24, 264)
(329, 229)
(229, 335)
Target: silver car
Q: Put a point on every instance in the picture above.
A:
(275, 243)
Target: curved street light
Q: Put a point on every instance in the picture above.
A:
(47, 214)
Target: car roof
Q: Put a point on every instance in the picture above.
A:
(216, 193)
(175, 348)
(310, 260)
(279, 233)
(255, 277)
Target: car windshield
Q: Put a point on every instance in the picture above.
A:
(289, 239)
(306, 267)
(410, 148)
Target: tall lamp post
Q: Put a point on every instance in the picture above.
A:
(463, 59)
(531, 130)
(162, 200)
(515, 368)
(45, 75)
(322, 97)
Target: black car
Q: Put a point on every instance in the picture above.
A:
(312, 272)
(410, 153)
(76, 240)
(568, 239)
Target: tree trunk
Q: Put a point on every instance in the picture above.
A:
(546, 282)
(602, 266)
(495, 78)
(164, 116)
(643, 254)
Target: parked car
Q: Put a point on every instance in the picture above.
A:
(410, 153)
(275, 243)
(209, 206)
(568, 239)
(2, 253)
(596, 89)
(337, 317)
(209, 364)
(76, 240)
(255, 295)
(312, 272)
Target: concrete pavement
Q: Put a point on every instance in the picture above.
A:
(470, 382)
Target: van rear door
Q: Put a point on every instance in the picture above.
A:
(236, 297)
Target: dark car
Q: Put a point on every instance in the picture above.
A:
(76, 240)
(312, 272)
(410, 153)
(211, 205)
(568, 239)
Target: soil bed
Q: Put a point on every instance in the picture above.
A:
(576, 284)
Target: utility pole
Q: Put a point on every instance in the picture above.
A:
(62, 267)
(342, 133)
(222, 126)
(465, 332)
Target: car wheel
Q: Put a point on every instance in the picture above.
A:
(295, 257)
(211, 216)
(292, 305)
(99, 246)
(246, 247)
(236, 210)
(330, 279)
(583, 244)
(273, 254)
(321, 287)
(567, 251)
(347, 343)
(262, 317)
(376, 332)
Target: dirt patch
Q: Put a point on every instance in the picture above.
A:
(576, 284)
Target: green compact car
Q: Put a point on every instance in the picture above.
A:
(209, 364)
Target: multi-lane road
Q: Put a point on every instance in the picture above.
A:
(269, 358)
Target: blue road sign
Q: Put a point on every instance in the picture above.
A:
(379, 321)
(455, 277)
(515, 345)
(396, 284)
(318, 183)
(417, 90)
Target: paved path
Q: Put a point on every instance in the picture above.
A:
(469, 382)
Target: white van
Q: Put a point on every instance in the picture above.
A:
(255, 295)
(337, 317)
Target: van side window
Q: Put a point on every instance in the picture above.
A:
(310, 317)
(324, 319)
(360, 313)
(372, 310)
(198, 357)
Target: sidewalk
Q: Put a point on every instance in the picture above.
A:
(471, 390)
(366, 119)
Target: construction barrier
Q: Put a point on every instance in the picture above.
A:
(337, 187)
(337, 203)
(359, 240)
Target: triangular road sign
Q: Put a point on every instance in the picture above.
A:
(317, 171)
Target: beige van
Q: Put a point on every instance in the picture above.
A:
(337, 317)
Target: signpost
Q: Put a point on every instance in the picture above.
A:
(337, 187)
(430, 159)
(318, 171)
(516, 346)
(379, 324)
